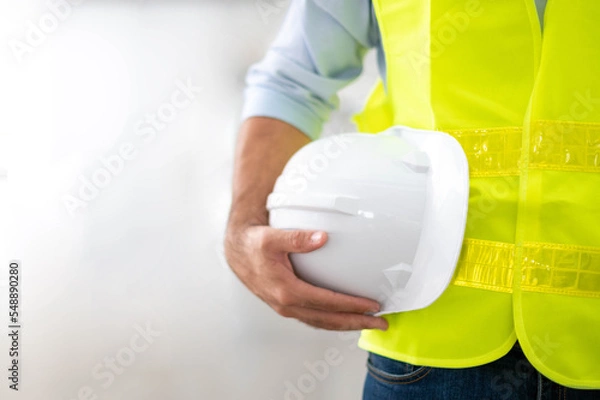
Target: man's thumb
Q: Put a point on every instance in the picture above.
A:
(302, 241)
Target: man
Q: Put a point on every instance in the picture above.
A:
(524, 106)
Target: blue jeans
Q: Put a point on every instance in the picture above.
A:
(510, 377)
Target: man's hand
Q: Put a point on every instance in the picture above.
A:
(258, 254)
(259, 257)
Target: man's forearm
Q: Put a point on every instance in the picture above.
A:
(264, 146)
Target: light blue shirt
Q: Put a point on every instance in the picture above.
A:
(318, 51)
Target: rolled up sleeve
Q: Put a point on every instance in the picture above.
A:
(319, 50)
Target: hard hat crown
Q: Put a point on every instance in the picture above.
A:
(373, 195)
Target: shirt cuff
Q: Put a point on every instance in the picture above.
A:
(263, 102)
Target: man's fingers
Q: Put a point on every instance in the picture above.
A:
(335, 321)
(295, 292)
(296, 241)
(310, 296)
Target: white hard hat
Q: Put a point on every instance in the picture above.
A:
(394, 206)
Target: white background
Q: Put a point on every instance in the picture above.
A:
(146, 250)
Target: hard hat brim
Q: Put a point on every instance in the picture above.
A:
(443, 223)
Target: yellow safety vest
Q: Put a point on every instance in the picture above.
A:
(526, 109)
